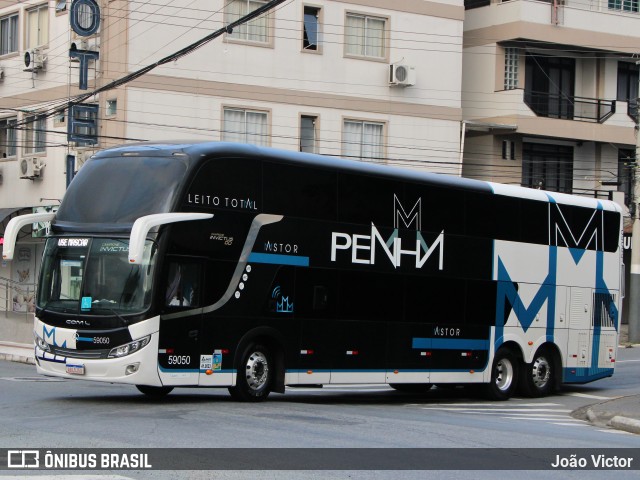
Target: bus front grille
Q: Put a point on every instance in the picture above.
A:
(87, 354)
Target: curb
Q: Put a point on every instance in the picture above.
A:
(17, 352)
(627, 424)
(11, 357)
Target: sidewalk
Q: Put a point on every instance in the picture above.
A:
(620, 413)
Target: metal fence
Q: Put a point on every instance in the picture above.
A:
(17, 298)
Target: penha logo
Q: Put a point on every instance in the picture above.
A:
(363, 247)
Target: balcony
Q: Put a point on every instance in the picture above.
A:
(553, 105)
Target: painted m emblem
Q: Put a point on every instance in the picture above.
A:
(413, 216)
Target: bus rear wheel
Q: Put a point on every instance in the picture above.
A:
(504, 376)
(255, 375)
(537, 378)
(154, 392)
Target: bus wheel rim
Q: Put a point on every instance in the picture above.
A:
(541, 372)
(504, 374)
(257, 369)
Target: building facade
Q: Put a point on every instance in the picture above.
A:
(549, 93)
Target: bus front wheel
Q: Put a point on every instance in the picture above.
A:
(154, 392)
(504, 376)
(537, 378)
(255, 375)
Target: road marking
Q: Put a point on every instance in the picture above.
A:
(621, 432)
(587, 395)
(479, 404)
(566, 424)
(626, 361)
(481, 410)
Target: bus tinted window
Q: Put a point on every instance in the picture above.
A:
(121, 189)
(300, 191)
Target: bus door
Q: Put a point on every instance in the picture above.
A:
(316, 293)
(178, 352)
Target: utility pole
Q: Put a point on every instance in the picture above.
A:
(634, 277)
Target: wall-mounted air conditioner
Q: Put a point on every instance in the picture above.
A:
(402, 75)
(31, 168)
(34, 60)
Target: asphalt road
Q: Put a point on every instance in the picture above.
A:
(40, 412)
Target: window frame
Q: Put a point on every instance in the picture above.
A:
(11, 151)
(559, 160)
(231, 38)
(511, 68)
(385, 40)
(34, 124)
(16, 34)
(363, 122)
(316, 125)
(319, 29)
(29, 45)
(266, 112)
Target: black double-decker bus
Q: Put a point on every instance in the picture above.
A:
(225, 265)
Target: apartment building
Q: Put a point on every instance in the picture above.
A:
(549, 93)
(367, 79)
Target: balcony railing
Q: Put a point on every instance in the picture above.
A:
(583, 109)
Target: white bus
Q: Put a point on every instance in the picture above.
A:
(223, 265)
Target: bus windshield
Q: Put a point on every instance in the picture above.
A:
(94, 276)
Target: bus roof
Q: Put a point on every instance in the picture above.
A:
(195, 151)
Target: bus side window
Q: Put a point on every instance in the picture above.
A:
(183, 285)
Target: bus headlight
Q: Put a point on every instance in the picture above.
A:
(41, 344)
(129, 348)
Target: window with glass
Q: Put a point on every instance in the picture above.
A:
(365, 36)
(628, 86)
(624, 5)
(511, 60)
(183, 285)
(84, 275)
(256, 30)
(311, 25)
(245, 126)
(308, 136)
(8, 138)
(37, 26)
(547, 167)
(626, 163)
(363, 140)
(35, 133)
(9, 34)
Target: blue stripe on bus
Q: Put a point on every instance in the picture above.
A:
(85, 339)
(584, 374)
(451, 343)
(193, 370)
(278, 259)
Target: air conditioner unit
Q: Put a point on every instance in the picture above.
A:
(79, 45)
(402, 75)
(34, 60)
(31, 168)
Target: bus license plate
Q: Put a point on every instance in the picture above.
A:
(75, 369)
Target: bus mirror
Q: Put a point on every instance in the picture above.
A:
(142, 225)
(15, 225)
